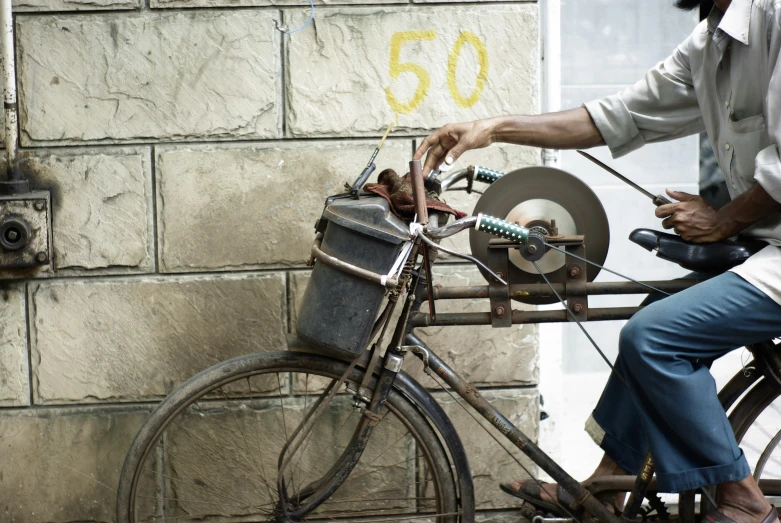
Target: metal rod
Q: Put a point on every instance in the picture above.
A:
(463, 257)
(339, 265)
(455, 177)
(9, 91)
(521, 317)
(542, 290)
(602, 267)
(418, 190)
(437, 233)
(658, 200)
(516, 436)
(639, 490)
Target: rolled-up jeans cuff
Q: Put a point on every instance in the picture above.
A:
(595, 430)
(625, 456)
(696, 478)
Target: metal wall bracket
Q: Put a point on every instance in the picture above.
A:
(25, 230)
(575, 284)
(499, 293)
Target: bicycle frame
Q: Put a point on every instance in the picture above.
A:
(405, 341)
(472, 396)
(412, 318)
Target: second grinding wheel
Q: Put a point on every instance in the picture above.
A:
(543, 199)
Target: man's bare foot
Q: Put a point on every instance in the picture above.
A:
(742, 501)
(606, 467)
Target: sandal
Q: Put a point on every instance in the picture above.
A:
(718, 517)
(529, 491)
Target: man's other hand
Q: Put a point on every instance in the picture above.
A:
(451, 141)
(691, 218)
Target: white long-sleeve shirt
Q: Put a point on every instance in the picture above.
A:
(724, 79)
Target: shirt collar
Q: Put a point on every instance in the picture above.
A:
(736, 22)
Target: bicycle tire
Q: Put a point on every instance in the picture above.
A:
(198, 388)
(750, 409)
(755, 420)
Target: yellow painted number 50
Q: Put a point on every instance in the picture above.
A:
(424, 81)
(482, 75)
(396, 68)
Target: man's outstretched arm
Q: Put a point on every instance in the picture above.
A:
(564, 130)
(662, 106)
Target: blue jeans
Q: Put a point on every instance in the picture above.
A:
(671, 405)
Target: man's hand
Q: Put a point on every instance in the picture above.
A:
(572, 129)
(451, 141)
(692, 218)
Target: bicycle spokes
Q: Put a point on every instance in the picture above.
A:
(220, 458)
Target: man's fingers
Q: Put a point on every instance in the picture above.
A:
(681, 196)
(433, 159)
(669, 223)
(663, 211)
(453, 155)
(424, 146)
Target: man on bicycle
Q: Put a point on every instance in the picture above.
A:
(724, 79)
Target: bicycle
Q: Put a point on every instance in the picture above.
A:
(333, 429)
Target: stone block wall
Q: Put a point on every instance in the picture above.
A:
(189, 145)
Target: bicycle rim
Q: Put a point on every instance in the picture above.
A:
(210, 451)
(756, 421)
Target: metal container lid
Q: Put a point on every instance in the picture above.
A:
(369, 215)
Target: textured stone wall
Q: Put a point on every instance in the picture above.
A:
(189, 146)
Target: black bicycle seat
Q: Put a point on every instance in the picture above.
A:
(697, 257)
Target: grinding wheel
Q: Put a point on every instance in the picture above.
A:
(533, 197)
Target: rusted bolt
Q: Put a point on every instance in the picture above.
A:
(500, 274)
(499, 311)
(574, 271)
(531, 249)
(41, 257)
(39, 206)
(577, 308)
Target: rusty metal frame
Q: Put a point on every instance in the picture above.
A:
(575, 290)
(464, 389)
(522, 317)
(499, 292)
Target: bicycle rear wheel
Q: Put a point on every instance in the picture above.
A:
(210, 450)
(756, 421)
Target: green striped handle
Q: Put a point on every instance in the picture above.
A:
(486, 175)
(501, 228)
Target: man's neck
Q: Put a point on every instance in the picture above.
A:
(722, 4)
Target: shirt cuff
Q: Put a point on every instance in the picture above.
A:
(767, 171)
(615, 124)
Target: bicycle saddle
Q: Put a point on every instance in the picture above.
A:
(697, 257)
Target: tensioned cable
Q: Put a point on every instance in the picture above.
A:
(462, 256)
(604, 268)
(582, 328)
(515, 458)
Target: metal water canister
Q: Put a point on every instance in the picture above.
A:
(339, 309)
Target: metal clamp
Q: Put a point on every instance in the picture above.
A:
(498, 291)
(575, 284)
